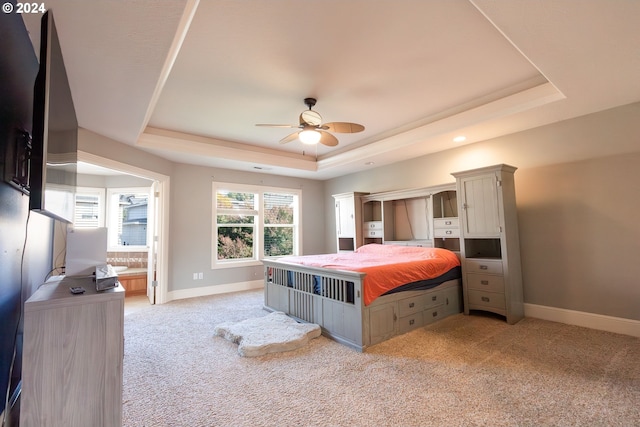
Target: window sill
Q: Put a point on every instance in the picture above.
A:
(236, 264)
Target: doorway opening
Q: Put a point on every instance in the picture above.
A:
(157, 213)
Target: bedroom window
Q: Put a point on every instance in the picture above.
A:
(251, 223)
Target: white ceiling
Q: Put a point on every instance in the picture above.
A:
(188, 80)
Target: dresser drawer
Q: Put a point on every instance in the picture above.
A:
(372, 233)
(408, 323)
(373, 225)
(446, 232)
(483, 265)
(446, 223)
(486, 299)
(485, 282)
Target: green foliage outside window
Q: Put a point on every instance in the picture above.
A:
(235, 242)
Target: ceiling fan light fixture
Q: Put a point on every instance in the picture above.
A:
(309, 136)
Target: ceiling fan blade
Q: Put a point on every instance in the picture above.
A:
(289, 138)
(327, 139)
(343, 127)
(277, 126)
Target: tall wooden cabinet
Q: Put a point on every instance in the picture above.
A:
(72, 357)
(489, 241)
(348, 220)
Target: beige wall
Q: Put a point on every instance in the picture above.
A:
(580, 235)
(191, 223)
(578, 200)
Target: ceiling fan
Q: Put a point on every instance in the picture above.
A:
(313, 131)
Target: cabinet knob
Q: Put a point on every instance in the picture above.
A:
(485, 299)
(411, 305)
(483, 267)
(484, 282)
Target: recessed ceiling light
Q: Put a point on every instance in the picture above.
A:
(459, 138)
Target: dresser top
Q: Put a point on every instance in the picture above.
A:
(56, 293)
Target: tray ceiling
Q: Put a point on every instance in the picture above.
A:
(188, 80)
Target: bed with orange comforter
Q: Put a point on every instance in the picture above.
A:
(364, 297)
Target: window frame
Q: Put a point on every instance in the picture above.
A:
(258, 224)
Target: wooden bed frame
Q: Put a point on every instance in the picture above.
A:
(339, 307)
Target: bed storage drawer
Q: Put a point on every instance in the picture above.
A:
(408, 323)
(485, 282)
(486, 299)
(434, 299)
(412, 305)
(434, 314)
(483, 265)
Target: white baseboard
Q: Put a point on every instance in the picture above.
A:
(216, 289)
(618, 325)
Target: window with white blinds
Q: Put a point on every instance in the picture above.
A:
(89, 212)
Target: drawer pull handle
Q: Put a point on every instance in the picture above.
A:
(485, 299)
(411, 305)
(433, 298)
(447, 223)
(448, 232)
(484, 282)
(435, 314)
(484, 267)
(412, 321)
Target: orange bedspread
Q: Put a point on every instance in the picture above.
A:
(386, 266)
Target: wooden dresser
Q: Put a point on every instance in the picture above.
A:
(72, 357)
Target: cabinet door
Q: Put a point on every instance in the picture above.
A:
(480, 213)
(382, 323)
(345, 212)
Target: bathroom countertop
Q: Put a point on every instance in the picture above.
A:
(132, 271)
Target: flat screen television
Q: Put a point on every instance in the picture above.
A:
(54, 158)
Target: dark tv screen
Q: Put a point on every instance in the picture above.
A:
(52, 183)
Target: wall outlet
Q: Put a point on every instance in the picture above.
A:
(195, 276)
(200, 276)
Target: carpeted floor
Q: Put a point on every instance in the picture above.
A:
(463, 371)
